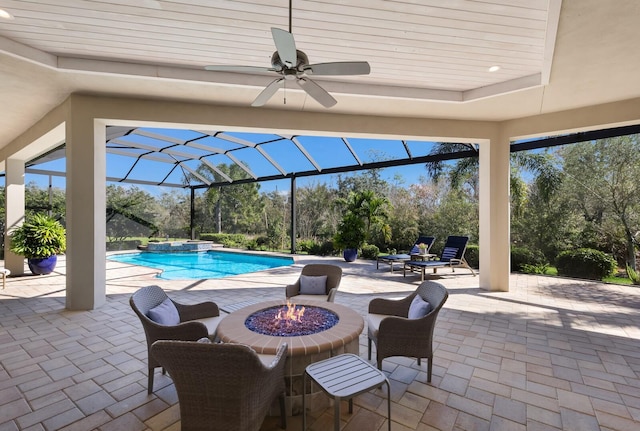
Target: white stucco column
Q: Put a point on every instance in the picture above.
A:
(86, 225)
(14, 211)
(495, 215)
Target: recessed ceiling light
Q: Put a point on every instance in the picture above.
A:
(494, 68)
(6, 15)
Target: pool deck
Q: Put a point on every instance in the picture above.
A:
(550, 354)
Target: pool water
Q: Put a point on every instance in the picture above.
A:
(211, 264)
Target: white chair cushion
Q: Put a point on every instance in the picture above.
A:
(373, 322)
(309, 298)
(418, 308)
(212, 324)
(165, 313)
(313, 285)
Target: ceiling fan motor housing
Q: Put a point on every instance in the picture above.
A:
(301, 60)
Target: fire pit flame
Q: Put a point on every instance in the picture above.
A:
(287, 321)
(290, 313)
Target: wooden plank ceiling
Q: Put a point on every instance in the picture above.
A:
(433, 44)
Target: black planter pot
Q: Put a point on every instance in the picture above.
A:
(350, 254)
(43, 266)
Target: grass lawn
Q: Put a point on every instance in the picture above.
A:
(618, 279)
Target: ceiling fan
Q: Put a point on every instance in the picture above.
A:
(293, 65)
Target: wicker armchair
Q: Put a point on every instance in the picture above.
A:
(333, 273)
(396, 335)
(223, 386)
(196, 321)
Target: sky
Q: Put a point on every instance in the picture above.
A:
(327, 152)
(408, 174)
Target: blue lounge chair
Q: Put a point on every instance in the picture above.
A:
(452, 256)
(390, 259)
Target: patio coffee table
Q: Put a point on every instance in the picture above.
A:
(344, 376)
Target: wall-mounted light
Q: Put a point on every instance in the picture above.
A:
(5, 15)
(494, 68)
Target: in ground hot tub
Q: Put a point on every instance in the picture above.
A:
(177, 246)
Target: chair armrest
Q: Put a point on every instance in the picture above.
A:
(187, 331)
(292, 289)
(401, 326)
(332, 294)
(391, 307)
(197, 311)
(281, 355)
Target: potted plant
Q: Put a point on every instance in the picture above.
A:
(350, 236)
(39, 239)
(422, 247)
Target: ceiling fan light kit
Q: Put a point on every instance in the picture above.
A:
(293, 65)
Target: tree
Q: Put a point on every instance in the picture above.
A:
(374, 210)
(236, 208)
(40, 200)
(550, 225)
(456, 214)
(129, 213)
(317, 217)
(172, 211)
(364, 213)
(464, 172)
(603, 181)
(369, 179)
(409, 204)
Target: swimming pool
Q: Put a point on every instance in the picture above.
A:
(211, 264)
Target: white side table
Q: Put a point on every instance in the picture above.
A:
(343, 377)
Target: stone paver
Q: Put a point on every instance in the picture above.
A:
(550, 354)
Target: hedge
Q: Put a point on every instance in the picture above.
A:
(586, 263)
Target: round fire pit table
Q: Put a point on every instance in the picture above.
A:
(304, 350)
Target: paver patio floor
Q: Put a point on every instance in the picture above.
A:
(550, 354)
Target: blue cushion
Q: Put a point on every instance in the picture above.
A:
(165, 313)
(449, 253)
(418, 308)
(415, 249)
(313, 285)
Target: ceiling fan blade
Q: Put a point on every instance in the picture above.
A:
(267, 93)
(317, 92)
(286, 46)
(339, 68)
(241, 69)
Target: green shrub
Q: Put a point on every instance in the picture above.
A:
(535, 269)
(259, 244)
(521, 256)
(262, 241)
(586, 263)
(472, 256)
(633, 275)
(131, 244)
(233, 240)
(306, 245)
(370, 251)
(324, 249)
